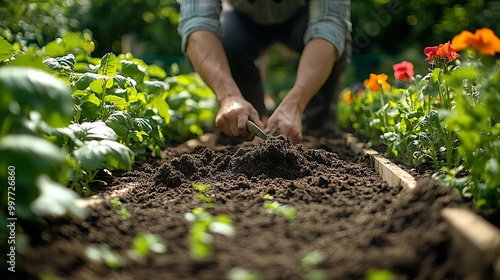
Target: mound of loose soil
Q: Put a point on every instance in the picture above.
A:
(343, 209)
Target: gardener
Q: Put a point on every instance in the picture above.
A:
(223, 47)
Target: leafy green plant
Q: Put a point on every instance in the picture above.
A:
(475, 120)
(28, 94)
(91, 114)
(144, 243)
(276, 208)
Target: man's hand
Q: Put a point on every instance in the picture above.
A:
(233, 115)
(286, 120)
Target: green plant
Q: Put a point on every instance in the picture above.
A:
(239, 273)
(122, 211)
(144, 243)
(207, 202)
(102, 253)
(87, 114)
(115, 202)
(309, 265)
(379, 274)
(202, 224)
(276, 208)
(446, 120)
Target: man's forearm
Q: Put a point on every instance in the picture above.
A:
(209, 59)
(316, 64)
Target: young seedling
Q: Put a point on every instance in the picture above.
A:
(116, 203)
(379, 274)
(102, 253)
(144, 243)
(276, 208)
(309, 265)
(202, 224)
(207, 201)
(239, 273)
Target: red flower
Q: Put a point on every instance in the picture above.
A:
(403, 71)
(443, 51)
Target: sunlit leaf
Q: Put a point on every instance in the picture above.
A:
(156, 72)
(108, 66)
(5, 49)
(92, 131)
(95, 155)
(55, 199)
(64, 62)
(120, 122)
(24, 89)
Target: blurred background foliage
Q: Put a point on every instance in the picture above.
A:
(384, 31)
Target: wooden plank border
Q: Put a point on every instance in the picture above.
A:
(477, 241)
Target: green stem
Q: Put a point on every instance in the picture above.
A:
(101, 111)
(6, 125)
(449, 149)
(383, 105)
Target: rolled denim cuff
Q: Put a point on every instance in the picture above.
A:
(329, 32)
(191, 25)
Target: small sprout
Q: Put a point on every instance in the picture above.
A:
(144, 243)
(309, 266)
(115, 202)
(268, 197)
(201, 188)
(104, 254)
(379, 274)
(312, 259)
(207, 201)
(124, 213)
(239, 273)
(274, 207)
(202, 224)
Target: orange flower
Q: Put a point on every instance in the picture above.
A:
(376, 81)
(444, 51)
(348, 97)
(484, 40)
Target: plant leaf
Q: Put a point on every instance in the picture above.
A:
(55, 199)
(58, 63)
(120, 122)
(5, 50)
(109, 65)
(25, 89)
(93, 131)
(94, 155)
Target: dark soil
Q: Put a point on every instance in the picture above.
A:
(343, 209)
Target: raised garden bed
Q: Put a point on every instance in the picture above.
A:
(348, 220)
